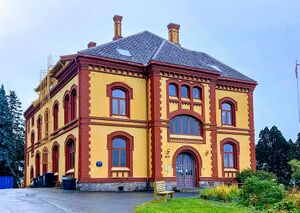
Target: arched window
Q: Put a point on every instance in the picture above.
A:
(118, 102)
(184, 92)
(229, 156)
(55, 116)
(227, 114)
(37, 164)
(67, 108)
(73, 104)
(55, 158)
(31, 173)
(70, 155)
(32, 141)
(173, 90)
(45, 160)
(185, 125)
(39, 127)
(196, 93)
(46, 120)
(119, 158)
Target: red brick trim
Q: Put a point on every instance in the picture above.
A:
(195, 154)
(70, 137)
(230, 100)
(55, 117)
(234, 104)
(52, 155)
(236, 152)
(156, 137)
(37, 163)
(128, 91)
(252, 134)
(84, 127)
(129, 150)
(213, 134)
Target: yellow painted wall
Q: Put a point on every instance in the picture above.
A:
(100, 102)
(60, 139)
(242, 102)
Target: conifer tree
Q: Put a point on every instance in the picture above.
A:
(17, 133)
(272, 154)
(5, 136)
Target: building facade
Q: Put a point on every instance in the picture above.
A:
(139, 109)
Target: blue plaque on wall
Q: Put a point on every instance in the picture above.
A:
(99, 164)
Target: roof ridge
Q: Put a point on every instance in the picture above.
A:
(158, 50)
(117, 40)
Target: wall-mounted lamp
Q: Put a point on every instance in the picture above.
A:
(168, 151)
(206, 153)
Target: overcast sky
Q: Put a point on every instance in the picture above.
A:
(259, 38)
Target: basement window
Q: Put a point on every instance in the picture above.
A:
(123, 52)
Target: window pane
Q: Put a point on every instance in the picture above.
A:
(115, 107)
(228, 148)
(122, 158)
(196, 93)
(122, 107)
(177, 125)
(229, 120)
(226, 160)
(197, 128)
(226, 106)
(119, 143)
(117, 93)
(192, 126)
(172, 129)
(184, 124)
(184, 92)
(172, 90)
(230, 161)
(115, 157)
(223, 117)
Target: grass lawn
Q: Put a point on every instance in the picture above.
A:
(191, 205)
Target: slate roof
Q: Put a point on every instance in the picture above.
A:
(146, 46)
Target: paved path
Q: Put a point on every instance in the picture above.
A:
(58, 201)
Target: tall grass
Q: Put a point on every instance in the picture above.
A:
(221, 193)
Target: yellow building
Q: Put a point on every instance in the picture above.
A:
(121, 115)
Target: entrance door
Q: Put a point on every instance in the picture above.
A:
(185, 171)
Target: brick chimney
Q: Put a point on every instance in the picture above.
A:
(118, 27)
(91, 44)
(174, 32)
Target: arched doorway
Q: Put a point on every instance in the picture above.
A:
(185, 170)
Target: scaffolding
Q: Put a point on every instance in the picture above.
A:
(46, 83)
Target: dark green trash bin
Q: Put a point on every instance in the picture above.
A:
(40, 181)
(68, 183)
(48, 179)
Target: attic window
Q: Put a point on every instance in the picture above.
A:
(215, 67)
(124, 52)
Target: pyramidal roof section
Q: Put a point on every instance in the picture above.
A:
(145, 46)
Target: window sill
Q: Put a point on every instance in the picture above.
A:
(230, 170)
(70, 171)
(120, 116)
(120, 169)
(191, 137)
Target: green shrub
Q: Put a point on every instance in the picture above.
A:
(243, 175)
(261, 174)
(283, 206)
(261, 193)
(221, 193)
